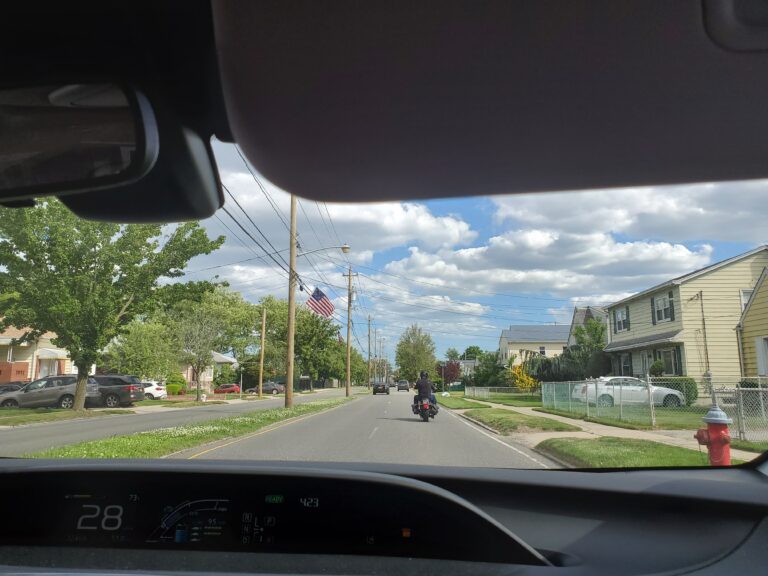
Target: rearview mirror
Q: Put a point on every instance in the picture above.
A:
(58, 139)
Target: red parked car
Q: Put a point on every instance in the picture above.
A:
(227, 389)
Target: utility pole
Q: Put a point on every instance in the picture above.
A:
(263, 341)
(368, 382)
(291, 307)
(349, 330)
(375, 355)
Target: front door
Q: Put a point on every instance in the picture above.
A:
(670, 361)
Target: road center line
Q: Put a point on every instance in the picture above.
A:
(484, 433)
(372, 433)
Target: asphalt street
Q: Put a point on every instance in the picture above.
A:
(15, 441)
(378, 428)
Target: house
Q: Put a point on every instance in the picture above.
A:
(547, 340)
(687, 322)
(27, 361)
(206, 378)
(752, 331)
(582, 315)
(467, 367)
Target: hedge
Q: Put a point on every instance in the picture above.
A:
(684, 384)
(174, 389)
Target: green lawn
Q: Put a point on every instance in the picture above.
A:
(20, 416)
(524, 400)
(507, 421)
(609, 452)
(162, 441)
(458, 403)
(638, 418)
(759, 447)
(176, 403)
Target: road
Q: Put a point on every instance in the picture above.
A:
(36, 437)
(376, 429)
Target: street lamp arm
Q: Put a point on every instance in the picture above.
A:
(344, 248)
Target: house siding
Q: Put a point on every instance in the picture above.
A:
(755, 325)
(640, 317)
(721, 290)
(551, 349)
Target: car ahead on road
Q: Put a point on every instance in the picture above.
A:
(380, 388)
(56, 391)
(154, 391)
(403, 385)
(119, 389)
(11, 387)
(267, 388)
(614, 390)
(392, 384)
(227, 389)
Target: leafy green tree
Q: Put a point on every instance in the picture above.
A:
(85, 280)
(166, 297)
(489, 372)
(227, 375)
(238, 321)
(472, 352)
(415, 352)
(319, 354)
(147, 349)
(452, 354)
(587, 355)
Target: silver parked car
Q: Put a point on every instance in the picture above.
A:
(56, 391)
(612, 390)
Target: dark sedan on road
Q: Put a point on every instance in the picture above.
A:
(380, 388)
(267, 388)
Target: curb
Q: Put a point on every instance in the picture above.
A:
(556, 459)
(477, 423)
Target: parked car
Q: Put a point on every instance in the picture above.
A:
(154, 391)
(380, 388)
(11, 387)
(51, 391)
(267, 388)
(403, 385)
(119, 389)
(227, 389)
(615, 389)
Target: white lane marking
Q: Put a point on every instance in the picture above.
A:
(484, 433)
(372, 433)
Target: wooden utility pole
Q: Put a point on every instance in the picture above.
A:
(291, 307)
(349, 330)
(368, 383)
(263, 341)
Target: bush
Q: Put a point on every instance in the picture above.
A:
(657, 368)
(751, 383)
(683, 384)
(175, 384)
(173, 389)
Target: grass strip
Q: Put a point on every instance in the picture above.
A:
(607, 421)
(21, 416)
(506, 421)
(520, 400)
(747, 446)
(162, 441)
(176, 403)
(459, 403)
(610, 452)
(634, 418)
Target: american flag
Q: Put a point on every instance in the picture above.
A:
(320, 304)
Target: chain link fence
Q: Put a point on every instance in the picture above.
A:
(503, 394)
(669, 403)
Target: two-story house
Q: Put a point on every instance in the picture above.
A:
(687, 322)
(582, 315)
(547, 340)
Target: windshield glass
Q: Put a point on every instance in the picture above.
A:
(539, 321)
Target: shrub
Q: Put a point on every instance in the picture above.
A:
(522, 380)
(751, 383)
(657, 368)
(173, 389)
(683, 384)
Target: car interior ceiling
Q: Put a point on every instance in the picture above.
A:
(389, 100)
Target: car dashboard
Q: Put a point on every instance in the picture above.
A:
(220, 517)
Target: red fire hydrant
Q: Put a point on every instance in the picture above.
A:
(716, 437)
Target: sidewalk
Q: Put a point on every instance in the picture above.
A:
(594, 430)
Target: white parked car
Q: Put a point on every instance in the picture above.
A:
(611, 390)
(154, 391)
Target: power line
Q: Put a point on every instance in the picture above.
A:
(266, 252)
(267, 195)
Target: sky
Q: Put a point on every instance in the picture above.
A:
(464, 269)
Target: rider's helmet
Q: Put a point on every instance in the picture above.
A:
(423, 375)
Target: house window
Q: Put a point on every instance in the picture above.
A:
(542, 350)
(663, 309)
(621, 320)
(626, 365)
(9, 357)
(669, 358)
(745, 296)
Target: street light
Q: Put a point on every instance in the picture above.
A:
(292, 301)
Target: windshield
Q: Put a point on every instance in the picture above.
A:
(540, 321)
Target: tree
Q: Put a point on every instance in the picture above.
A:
(227, 375)
(472, 352)
(318, 350)
(238, 321)
(415, 352)
(85, 280)
(489, 372)
(147, 349)
(166, 297)
(587, 355)
(452, 354)
(449, 371)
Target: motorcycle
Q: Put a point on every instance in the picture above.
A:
(425, 409)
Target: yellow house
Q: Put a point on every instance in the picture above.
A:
(547, 340)
(687, 322)
(752, 331)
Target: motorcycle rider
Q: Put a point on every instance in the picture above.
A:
(424, 389)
